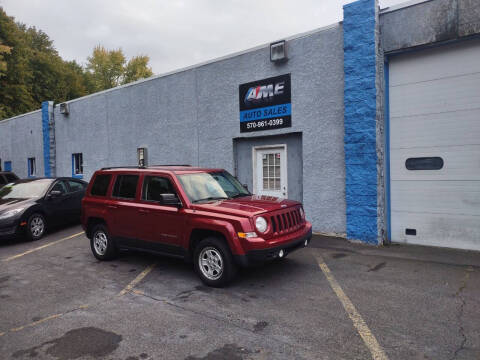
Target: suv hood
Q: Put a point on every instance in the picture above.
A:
(247, 205)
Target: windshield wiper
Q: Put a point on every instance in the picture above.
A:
(238, 195)
(211, 198)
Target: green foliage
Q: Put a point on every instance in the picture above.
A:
(109, 68)
(32, 71)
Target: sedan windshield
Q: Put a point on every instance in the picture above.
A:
(25, 190)
(211, 186)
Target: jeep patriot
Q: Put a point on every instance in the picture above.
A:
(201, 215)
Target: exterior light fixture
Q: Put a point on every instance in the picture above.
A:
(278, 52)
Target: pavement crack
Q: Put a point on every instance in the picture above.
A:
(461, 329)
(218, 318)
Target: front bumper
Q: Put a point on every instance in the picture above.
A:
(9, 231)
(256, 257)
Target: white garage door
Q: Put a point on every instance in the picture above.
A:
(435, 132)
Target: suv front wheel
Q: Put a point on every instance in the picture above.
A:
(214, 262)
(102, 245)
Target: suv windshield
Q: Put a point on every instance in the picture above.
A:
(25, 190)
(211, 186)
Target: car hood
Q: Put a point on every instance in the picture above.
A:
(247, 205)
(10, 204)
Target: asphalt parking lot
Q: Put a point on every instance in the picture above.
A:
(333, 300)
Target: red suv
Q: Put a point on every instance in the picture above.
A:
(198, 214)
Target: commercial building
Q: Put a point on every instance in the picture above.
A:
(374, 123)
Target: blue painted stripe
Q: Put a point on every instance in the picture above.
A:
(387, 149)
(46, 139)
(266, 112)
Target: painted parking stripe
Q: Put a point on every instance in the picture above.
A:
(368, 338)
(42, 247)
(135, 281)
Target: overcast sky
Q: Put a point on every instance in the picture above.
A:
(174, 33)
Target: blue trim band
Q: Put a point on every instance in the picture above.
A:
(266, 112)
(46, 139)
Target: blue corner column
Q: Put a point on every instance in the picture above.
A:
(46, 138)
(360, 101)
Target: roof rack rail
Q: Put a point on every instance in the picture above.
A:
(171, 165)
(123, 167)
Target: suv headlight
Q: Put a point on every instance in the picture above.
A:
(10, 213)
(261, 224)
(302, 213)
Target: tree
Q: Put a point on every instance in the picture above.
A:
(137, 68)
(109, 68)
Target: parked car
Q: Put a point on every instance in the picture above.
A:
(7, 177)
(28, 207)
(202, 215)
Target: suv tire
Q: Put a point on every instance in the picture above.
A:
(103, 247)
(36, 226)
(214, 262)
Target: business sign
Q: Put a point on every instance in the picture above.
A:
(266, 104)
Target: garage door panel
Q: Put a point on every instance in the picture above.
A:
(436, 96)
(435, 112)
(455, 231)
(429, 130)
(437, 197)
(459, 163)
(438, 63)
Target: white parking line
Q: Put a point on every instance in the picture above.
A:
(368, 338)
(41, 247)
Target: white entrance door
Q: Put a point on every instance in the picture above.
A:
(435, 146)
(270, 171)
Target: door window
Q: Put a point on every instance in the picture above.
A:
(11, 178)
(154, 186)
(125, 186)
(271, 171)
(60, 186)
(75, 186)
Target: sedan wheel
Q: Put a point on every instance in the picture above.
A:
(36, 226)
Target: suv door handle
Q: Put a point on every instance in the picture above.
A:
(143, 211)
(111, 206)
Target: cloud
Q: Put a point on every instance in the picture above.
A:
(174, 33)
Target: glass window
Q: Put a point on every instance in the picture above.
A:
(75, 186)
(271, 171)
(100, 185)
(32, 169)
(25, 189)
(154, 186)
(424, 163)
(2, 180)
(77, 164)
(125, 186)
(211, 186)
(60, 186)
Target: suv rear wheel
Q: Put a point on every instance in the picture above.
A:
(103, 247)
(214, 262)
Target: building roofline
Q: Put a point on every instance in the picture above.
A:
(19, 116)
(402, 6)
(208, 62)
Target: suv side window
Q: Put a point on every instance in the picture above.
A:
(154, 186)
(100, 185)
(125, 186)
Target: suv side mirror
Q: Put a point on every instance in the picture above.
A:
(54, 193)
(170, 199)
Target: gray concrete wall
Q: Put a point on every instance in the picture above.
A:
(243, 154)
(429, 22)
(21, 137)
(192, 116)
